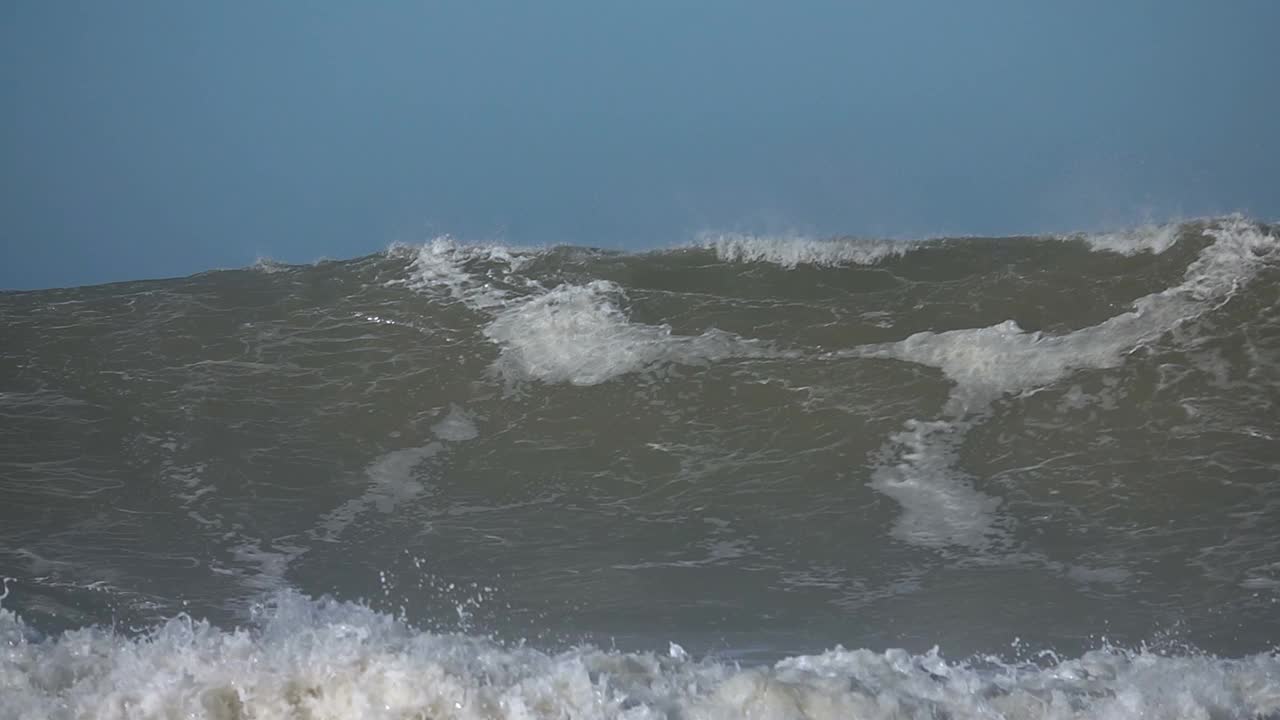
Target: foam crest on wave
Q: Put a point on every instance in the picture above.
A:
(329, 660)
(576, 334)
(791, 251)
(442, 263)
(987, 362)
(940, 507)
(1148, 238)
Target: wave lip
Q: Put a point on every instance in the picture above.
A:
(792, 251)
(442, 263)
(328, 660)
(987, 362)
(1153, 239)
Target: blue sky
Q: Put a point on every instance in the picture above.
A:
(157, 138)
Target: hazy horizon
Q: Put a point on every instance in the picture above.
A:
(151, 139)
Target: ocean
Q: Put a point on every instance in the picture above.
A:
(750, 477)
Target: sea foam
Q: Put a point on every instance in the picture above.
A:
(795, 250)
(791, 251)
(940, 507)
(1148, 238)
(576, 334)
(327, 660)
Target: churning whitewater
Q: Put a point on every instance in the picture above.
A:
(1027, 477)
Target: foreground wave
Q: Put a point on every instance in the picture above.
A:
(1053, 457)
(330, 660)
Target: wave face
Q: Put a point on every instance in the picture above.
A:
(466, 481)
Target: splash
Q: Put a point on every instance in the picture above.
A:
(328, 660)
(577, 334)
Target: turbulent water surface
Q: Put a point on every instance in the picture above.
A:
(1033, 477)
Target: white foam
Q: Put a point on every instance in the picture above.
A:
(791, 251)
(266, 568)
(396, 476)
(576, 334)
(456, 426)
(794, 250)
(330, 661)
(442, 263)
(269, 266)
(392, 481)
(986, 363)
(1148, 238)
(939, 506)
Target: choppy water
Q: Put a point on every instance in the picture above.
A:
(1031, 477)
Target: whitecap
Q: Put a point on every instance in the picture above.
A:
(792, 251)
(329, 660)
(987, 363)
(1153, 239)
(576, 334)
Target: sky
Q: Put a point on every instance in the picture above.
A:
(153, 138)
